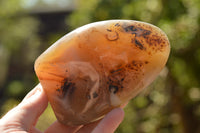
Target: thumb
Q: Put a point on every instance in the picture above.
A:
(26, 114)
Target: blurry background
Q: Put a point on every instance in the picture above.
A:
(171, 104)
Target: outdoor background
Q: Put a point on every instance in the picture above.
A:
(171, 104)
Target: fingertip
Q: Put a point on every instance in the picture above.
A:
(124, 105)
(33, 105)
(35, 96)
(110, 122)
(118, 111)
(38, 88)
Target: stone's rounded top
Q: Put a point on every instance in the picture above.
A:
(100, 66)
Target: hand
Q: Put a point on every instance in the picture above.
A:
(23, 118)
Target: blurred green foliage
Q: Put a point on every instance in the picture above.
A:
(171, 104)
(19, 44)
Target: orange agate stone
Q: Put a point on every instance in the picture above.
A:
(100, 66)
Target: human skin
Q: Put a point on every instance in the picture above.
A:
(23, 118)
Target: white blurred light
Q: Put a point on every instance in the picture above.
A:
(29, 3)
(194, 94)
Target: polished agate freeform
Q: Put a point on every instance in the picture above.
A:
(100, 66)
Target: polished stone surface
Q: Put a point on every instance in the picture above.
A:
(100, 66)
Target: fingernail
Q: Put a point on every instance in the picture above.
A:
(37, 92)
